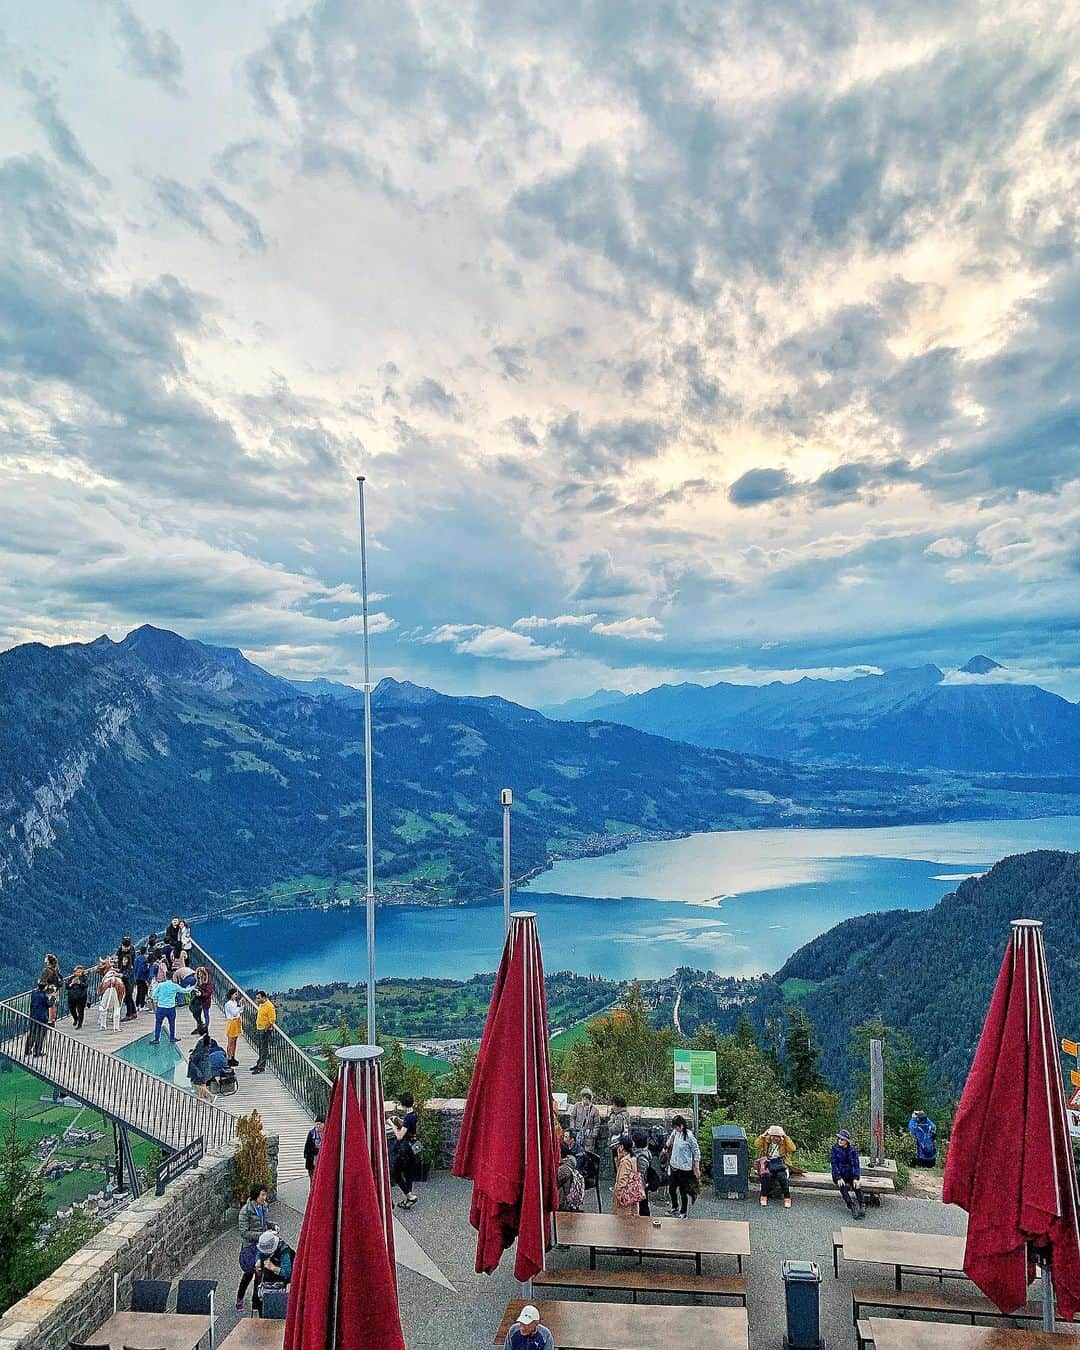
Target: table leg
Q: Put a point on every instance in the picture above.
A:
(899, 1279)
(739, 1259)
(697, 1261)
(592, 1261)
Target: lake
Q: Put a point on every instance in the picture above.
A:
(738, 902)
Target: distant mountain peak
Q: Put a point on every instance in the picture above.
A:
(980, 665)
(219, 670)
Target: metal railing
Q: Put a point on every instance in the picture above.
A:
(151, 1106)
(289, 1064)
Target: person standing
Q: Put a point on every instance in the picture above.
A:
(142, 977)
(312, 1144)
(628, 1190)
(618, 1124)
(77, 989)
(166, 993)
(234, 1025)
(684, 1164)
(528, 1332)
(201, 1001)
(406, 1149)
(265, 1022)
(110, 999)
(252, 1222)
(924, 1132)
(39, 1019)
(125, 965)
(172, 936)
(644, 1161)
(775, 1148)
(54, 982)
(847, 1173)
(585, 1124)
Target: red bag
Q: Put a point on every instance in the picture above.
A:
(763, 1167)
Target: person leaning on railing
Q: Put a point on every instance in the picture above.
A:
(264, 1029)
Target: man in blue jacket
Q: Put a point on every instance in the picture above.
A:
(847, 1174)
(925, 1134)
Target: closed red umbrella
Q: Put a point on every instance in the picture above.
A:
(1010, 1161)
(344, 1292)
(507, 1142)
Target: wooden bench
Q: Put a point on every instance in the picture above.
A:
(873, 1188)
(962, 1304)
(644, 1282)
(837, 1248)
(864, 1333)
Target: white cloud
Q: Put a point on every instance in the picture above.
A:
(534, 621)
(634, 630)
(947, 547)
(493, 643)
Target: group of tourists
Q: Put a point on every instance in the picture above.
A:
(266, 1259)
(404, 1149)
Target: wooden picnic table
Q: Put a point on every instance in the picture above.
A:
(255, 1333)
(905, 1251)
(164, 1331)
(655, 1237)
(894, 1334)
(624, 1326)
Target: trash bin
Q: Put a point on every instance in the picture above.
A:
(730, 1162)
(802, 1298)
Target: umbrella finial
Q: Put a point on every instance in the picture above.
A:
(1027, 923)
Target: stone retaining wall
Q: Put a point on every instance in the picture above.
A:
(154, 1237)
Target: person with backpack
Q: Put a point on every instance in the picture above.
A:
(650, 1173)
(585, 1124)
(125, 964)
(274, 1266)
(684, 1165)
(774, 1155)
(924, 1131)
(571, 1183)
(407, 1150)
(628, 1190)
(618, 1123)
(252, 1222)
(847, 1173)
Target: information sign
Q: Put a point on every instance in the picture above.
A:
(695, 1071)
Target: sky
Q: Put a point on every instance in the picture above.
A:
(676, 339)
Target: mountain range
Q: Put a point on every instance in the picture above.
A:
(972, 721)
(930, 973)
(157, 775)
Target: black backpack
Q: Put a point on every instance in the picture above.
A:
(652, 1178)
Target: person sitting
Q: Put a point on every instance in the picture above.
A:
(775, 1148)
(219, 1060)
(528, 1332)
(847, 1174)
(925, 1134)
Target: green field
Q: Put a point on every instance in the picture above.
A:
(569, 1037)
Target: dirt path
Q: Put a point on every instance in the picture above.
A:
(925, 1184)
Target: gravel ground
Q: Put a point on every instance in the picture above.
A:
(435, 1319)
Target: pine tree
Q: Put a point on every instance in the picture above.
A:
(801, 1053)
(22, 1212)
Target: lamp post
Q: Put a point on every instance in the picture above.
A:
(507, 803)
(369, 899)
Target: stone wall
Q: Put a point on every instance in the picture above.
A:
(450, 1110)
(152, 1238)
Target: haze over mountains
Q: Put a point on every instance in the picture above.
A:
(157, 775)
(973, 721)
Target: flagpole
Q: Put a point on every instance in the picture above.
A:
(344, 1069)
(369, 899)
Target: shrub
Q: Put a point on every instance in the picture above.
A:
(251, 1162)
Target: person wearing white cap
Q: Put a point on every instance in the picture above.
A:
(528, 1332)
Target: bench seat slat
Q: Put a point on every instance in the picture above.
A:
(645, 1281)
(925, 1300)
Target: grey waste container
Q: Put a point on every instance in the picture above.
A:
(802, 1281)
(730, 1165)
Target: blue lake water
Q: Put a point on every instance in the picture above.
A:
(738, 902)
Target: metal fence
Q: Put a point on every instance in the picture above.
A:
(151, 1106)
(284, 1058)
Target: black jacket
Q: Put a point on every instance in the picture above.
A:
(311, 1148)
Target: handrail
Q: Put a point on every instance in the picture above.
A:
(150, 1105)
(294, 1069)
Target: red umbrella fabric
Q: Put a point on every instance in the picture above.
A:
(369, 1094)
(1010, 1161)
(343, 1294)
(507, 1144)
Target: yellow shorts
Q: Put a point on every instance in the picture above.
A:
(234, 1027)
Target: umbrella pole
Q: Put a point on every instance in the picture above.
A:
(1047, 1295)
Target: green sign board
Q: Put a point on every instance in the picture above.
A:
(695, 1071)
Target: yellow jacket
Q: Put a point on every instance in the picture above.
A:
(762, 1142)
(267, 1016)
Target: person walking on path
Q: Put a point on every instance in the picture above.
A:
(110, 999)
(77, 990)
(265, 1022)
(774, 1154)
(125, 965)
(528, 1332)
(644, 1161)
(406, 1150)
(54, 982)
(629, 1189)
(201, 1001)
(39, 1020)
(618, 1124)
(684, 1164)
(234, 1025)
(142, 977)
(847, 1174)
(166, 994)
(312, 1144)
(252, 1221)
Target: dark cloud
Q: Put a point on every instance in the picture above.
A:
(148, 55)
(512, 361)
(601, 580)
(605, 446)
(435, 397)
(761, 485)
(62, 140)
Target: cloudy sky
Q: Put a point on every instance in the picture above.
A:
(677, 338)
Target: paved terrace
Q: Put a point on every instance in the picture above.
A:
(466, 1315)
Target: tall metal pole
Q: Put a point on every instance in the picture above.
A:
(507, 803)
(369, 900)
